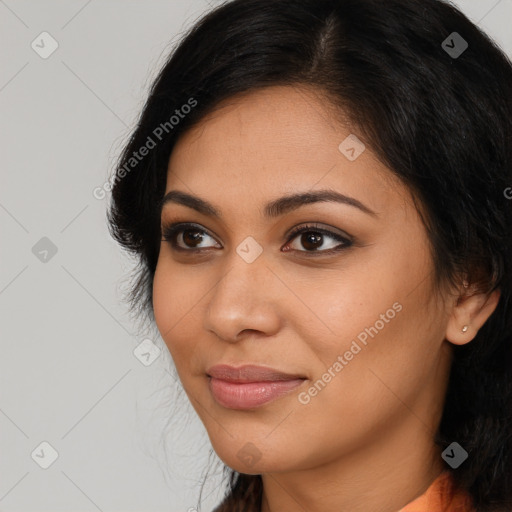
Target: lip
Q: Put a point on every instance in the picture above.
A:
(249, 386)
(249, 373)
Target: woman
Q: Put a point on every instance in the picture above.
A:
(319, 194)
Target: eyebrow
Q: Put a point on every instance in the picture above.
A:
(272, 209)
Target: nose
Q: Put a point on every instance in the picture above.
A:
(244, 302)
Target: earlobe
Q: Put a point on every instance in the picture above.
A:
(469, 314)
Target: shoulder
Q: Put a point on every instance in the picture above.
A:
(442, 496)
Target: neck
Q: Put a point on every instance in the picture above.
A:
(385, 475)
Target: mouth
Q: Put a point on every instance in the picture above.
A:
(250, 386)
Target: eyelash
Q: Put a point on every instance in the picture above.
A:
(169, 235)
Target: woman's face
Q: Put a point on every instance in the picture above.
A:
(357, 321)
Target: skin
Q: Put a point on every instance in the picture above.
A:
(365, 441)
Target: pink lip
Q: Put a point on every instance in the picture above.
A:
(249, 386)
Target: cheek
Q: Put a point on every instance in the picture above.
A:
(374, 316)
(340, 306)
(164, 298)
(384, 346)
(175, 304)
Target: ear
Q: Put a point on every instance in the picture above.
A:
(471, 310)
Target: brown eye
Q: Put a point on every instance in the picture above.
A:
(186, 237)
(191, 237)
(314, 239)
(311, 240)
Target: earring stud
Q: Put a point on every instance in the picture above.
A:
(465, 328)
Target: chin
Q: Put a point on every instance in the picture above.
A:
(257, 456)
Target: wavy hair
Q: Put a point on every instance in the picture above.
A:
(441, 122)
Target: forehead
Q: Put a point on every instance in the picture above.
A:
(276, 141)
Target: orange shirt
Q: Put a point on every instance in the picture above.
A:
(441, 496)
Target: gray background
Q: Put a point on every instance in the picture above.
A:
(68, 373)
